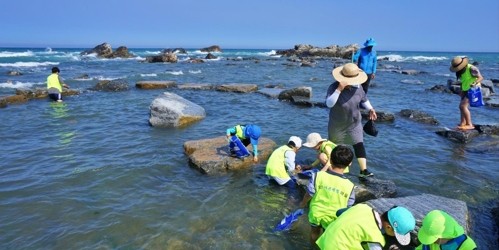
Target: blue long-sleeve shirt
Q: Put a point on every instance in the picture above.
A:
(366, 60)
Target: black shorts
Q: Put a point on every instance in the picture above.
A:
(464, 94)
(55, 96)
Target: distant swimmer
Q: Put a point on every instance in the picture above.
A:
(55, 85)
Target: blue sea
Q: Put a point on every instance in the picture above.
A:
(91, 173)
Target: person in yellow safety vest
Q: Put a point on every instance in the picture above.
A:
(324, 147)
(241, 136)
(329, 191)
(55, 85)
(361, 227)
(469, 75)
(281, 164)
(441, 231)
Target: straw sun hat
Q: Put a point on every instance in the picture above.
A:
(458, 63)
(349, 73)
(313, 139)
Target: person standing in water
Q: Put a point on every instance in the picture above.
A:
(55, 85)
(366, 59)
(345, 98)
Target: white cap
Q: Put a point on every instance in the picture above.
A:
(296, 140)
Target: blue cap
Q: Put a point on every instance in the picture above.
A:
(402, 222)
(370, 42)
(253, 132)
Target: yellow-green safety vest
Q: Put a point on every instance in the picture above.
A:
(467, 78)
(332, 145)
(240, 132)
(53, 82)
(331, 193)
(326, 144)
(356, 227)
(275, 165)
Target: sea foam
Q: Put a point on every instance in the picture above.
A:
(19, 85)
(399, 58)
(175, 73)
(16, 54)
(27, 64)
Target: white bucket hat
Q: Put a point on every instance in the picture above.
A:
(313, 139)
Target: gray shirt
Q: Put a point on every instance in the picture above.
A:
(345, 125)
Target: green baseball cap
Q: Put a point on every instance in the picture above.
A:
(438, 224)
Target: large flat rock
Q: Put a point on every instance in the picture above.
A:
(155, 84)
(237, 87)
(420, 205)
(211, 155)
(462, 136)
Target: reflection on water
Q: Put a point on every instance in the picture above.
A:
(59, 109)
(60, 113)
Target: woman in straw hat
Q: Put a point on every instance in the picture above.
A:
(469, 75)
(345, 98)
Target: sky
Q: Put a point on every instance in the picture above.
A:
(397, 25)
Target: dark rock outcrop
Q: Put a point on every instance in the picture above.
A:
(237, 87)
(493, 102)
(105, 50)
(302, 50)
(440, 88)
(155, 84)
(33, 93)
(121, 52)
(213, 48)
(307, 102)
(112, 85)
(175, 51)
(373, 188)
(13, 99)
(211, 156)
(24, 95)
(418, 116)
(488, 129)
(382, 116)
(298, 91)
(210, 56)
(168, 57)
(171, 110)
(102, 50)
(463, 136)
(3, 102)
(82, 77)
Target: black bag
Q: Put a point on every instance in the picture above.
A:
(370, 129)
